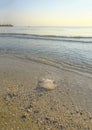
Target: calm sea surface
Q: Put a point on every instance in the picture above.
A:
(68, 47)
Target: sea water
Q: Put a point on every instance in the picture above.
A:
(63, 47)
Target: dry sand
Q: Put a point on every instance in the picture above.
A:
(23, 106)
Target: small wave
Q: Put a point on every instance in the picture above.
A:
(80, 39)
(64, 66)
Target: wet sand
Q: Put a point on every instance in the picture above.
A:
(23, 106)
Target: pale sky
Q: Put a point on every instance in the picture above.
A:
(46, 12)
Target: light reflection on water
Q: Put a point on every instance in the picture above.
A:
(70, 53)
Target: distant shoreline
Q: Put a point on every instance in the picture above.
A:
(6, 25)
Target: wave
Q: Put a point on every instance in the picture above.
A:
(82, 39)
(60, 65)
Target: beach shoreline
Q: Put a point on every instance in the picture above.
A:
(24, 107)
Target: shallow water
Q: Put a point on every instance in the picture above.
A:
(68, 47)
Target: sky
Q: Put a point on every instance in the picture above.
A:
(46, 12)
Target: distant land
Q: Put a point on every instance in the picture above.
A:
(6, 25)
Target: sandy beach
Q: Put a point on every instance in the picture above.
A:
(24, 107)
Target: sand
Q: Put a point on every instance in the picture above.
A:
(24, 107)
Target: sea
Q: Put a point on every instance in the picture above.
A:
(68, 48)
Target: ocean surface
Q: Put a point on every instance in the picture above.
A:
(63, 47)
